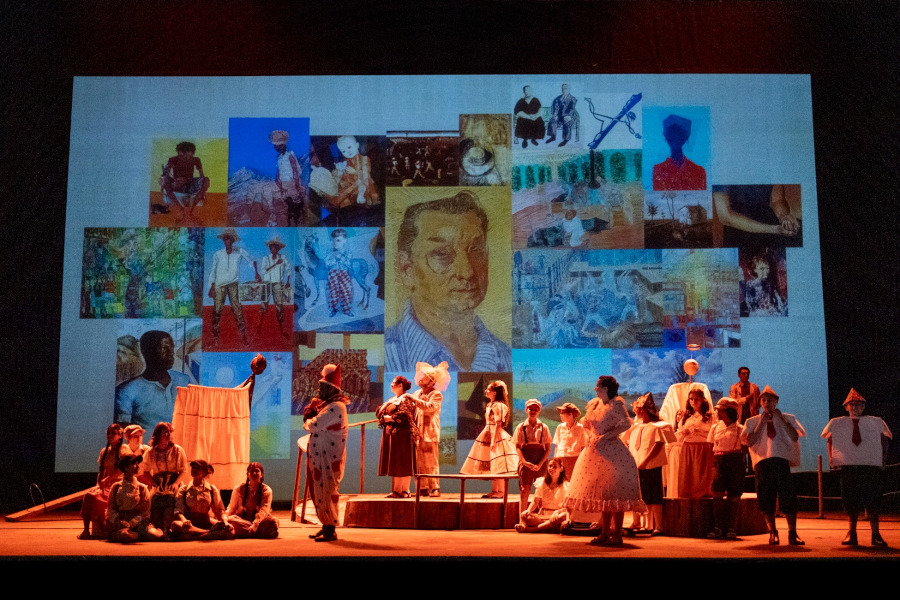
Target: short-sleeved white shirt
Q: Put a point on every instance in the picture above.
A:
(844, 452)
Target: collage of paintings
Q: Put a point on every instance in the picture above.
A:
(569, 234)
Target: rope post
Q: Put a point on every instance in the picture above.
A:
(821, 498)
(362, 457)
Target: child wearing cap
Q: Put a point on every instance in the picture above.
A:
(133, 445)
(857, 447)
(569, 438)
(728, 469)
(773, 440)
(128, 512)
(193, 504)
(532, 440)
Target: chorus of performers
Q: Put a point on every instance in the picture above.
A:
(595, 467)
(584, 476)
(153, 493)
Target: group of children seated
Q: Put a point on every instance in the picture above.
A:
(143, 493)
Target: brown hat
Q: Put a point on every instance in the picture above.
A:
(570, 408)
(768, 391)
(854, 396)
(127, 461)
(132, 430)
(725, 402)
(533, 402)
(202, 464)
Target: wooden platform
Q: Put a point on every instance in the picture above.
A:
(684, 517)
(378, 512)
(681, 517)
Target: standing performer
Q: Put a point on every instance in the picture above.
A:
(533, 441)
(326, 420)
(605, 480)
(570, 438)
(165, 463)
(493, 450)
(857, 447)
(691, 458)
(746, 394)
(774, 448)
(431, 381)
(397, 416)
(646, 440)
(728, 469)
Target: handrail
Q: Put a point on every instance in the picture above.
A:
(299, 472)
(362, 450)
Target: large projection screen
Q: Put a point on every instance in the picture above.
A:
(681, 209)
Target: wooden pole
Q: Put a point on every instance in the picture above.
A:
(821, 498)
(362, 457)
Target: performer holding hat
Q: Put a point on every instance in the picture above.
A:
(857, 447)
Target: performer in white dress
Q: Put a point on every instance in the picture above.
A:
(493, 451)
(605, 481)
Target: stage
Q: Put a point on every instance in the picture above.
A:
(54, 536)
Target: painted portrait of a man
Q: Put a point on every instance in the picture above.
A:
(443, 258)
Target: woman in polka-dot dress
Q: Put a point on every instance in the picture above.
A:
(605, 478)
(327, 449)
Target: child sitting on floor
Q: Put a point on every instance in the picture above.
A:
(546, 513)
